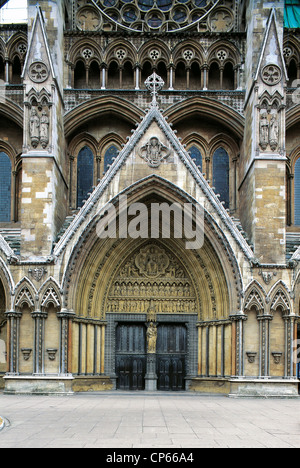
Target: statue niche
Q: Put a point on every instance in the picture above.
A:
(152, 278)
(39, 124)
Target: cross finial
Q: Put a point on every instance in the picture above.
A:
(154, 83)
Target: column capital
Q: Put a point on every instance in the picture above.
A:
(39, 314)
(265, 317)
(13, 314)
(66, 313)
(238, 317)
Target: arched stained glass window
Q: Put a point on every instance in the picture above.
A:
(111, 152)
(221, 175)
(297, 193)
(5, 188)
(85, 174)
(196, 154)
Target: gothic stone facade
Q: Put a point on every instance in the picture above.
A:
(79, 127)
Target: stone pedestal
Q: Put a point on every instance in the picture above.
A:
(151, 377)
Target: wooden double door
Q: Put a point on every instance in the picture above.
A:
(131, 357)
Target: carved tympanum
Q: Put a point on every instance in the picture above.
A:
(154, 279)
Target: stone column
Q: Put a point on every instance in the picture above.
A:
(103, 74)
(264, 344)
(13, 332)
(200, 341)
(121, 68)
(7, 71)
(188, 69)
(207, 168)
(72, 77)
(137, 77)
(221, 77)
(234, 161)
(102, 359)
(238, 343)
(66, 317)
(205, 69)
(171, 79)
(39, 340)
(14, 214)
(71, 159)
(98, 160)
(289, 325)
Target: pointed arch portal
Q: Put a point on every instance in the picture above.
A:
(121, 286)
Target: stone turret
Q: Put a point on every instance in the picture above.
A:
(44, 187)
(262, 187)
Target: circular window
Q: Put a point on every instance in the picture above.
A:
(157, 15)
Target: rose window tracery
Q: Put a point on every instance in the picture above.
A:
(156, 15)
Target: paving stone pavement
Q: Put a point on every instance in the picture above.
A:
(147, 420)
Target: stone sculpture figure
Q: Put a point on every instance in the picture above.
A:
(274, 132)
(44, 129)
(34, 128)
(152, 338)
(264, 131)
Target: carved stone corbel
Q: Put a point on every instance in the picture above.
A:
(277, 357)
(251, 356)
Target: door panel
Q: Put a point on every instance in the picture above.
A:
(131, 357)
(171, 357)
